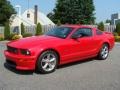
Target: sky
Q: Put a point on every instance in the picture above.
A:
(104, 8)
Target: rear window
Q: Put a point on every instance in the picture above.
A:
(98, 32)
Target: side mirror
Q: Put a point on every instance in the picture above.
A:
(76, 36)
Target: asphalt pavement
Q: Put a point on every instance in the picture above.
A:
(90, 75)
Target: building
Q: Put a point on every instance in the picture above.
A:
(30, 18)
(115, 18)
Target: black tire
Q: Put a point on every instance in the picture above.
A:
(104, 52)
(43, 58)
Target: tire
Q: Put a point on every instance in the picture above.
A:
(47, 62)
(104, 52)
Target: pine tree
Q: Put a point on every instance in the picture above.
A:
(101, 26)
(22, 29)
(118, 28)
(74, 11)
(39, 29)
(7, 31)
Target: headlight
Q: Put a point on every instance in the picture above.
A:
(25, 52)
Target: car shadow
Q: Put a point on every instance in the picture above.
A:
(76, 63)
(20, 72)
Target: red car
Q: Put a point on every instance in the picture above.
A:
(64, 44)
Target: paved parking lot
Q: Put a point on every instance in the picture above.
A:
(90, 75)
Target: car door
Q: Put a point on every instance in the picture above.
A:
(85, 44)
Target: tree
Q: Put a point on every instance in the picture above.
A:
(101, 26)
(58, 23)
(108, 21)
(73, 11)
(7, 31)
(39, 29)
(22, 29)
(118, 28)
(6, 10)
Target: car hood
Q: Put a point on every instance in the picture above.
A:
(30, 42)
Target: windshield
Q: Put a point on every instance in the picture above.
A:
(61, 32)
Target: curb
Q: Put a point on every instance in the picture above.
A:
(3, 42)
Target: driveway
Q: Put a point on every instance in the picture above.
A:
(91, 75)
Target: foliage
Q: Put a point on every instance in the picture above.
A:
(22, 28)
(108, 21)
(73, 11)
(6, 10)
(115, 33)
(16, 37)
(27, 34)
(101, 26)
(11, 36)
(39, 29)
(58, 23)
(117, 38)
(1, 37)
(118, 28)
(7, 30)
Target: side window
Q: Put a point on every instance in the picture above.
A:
(85, 32)
(98, 32)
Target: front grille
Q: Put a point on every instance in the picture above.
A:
(12, 50)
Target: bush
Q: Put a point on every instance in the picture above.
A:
(1, 38)
(11, 36)
(117, 38)
(59, 23)
(39, 29)
(22, 28)
(115, 34)
(16, 37)
(7, 30)
(101, 26)
(118, 28)
(27, 34)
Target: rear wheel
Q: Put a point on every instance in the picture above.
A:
(104, 52)
(47, 62)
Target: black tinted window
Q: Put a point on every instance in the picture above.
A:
(85, 32)
(98, 32)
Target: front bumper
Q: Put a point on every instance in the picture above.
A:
(20, 62)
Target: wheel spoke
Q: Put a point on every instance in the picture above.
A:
(45, 66)
(48, 56)
(52, 60)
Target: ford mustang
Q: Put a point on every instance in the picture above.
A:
(61, 45)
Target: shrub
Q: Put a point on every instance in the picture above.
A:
(27, 34)
(58, 23)
(118, 28)
(7, 30)
(11, 36)
(115, 34)
(117, 38)
(22, 28)
(1, 38)
(16, 37)
(39, 29)
(101, 26)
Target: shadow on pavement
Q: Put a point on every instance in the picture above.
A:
(76, 63)
(18, 71)
(59, 67)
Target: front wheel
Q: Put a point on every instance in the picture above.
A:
(104, 52)
(47, 62)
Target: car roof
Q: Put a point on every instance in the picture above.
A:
(78, 26)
